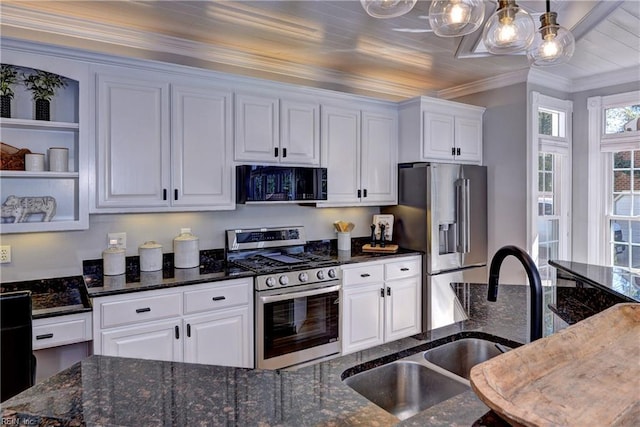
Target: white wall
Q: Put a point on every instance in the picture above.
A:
(58, 254)
(505, 155)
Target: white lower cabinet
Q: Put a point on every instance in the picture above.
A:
(158, 341)
(220, 334)
(227, 332)
(381, 302)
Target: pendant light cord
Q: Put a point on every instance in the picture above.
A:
(548, 6)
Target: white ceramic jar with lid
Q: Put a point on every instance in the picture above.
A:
(150, 256)
(113, 260)
(186, 250)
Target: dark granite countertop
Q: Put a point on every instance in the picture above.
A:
(104, 390)
(213, 267)
(616, 281)
(53, 297)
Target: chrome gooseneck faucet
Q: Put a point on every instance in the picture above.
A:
(534, 283)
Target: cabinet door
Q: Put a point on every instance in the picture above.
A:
(201, 147)
(133, 142)
(257, 136)
(341, 153)
(468, 138)
(402, 308)
(362, 321)
(437, 136)
(155, 341)
(220, 338)
(300, 132)
(379, 153)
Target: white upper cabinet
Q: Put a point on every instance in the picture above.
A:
(359, 150)
(202, 146)
(438, 130)
(68, 128)
(133, 142)
(163, 145)
(273, 130)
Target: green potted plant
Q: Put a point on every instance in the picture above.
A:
(8, 77)
(43, 87)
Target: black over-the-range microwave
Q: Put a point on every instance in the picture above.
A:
(260, 184)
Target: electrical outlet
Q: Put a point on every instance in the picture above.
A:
(120, 237)
(5, 254)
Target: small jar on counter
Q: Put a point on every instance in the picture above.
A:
(186, 250)
(113, 260)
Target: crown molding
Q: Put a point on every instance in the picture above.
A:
(549, 80)
(626, 75)
(483, 85)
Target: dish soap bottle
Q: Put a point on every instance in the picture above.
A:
(186, 250)
(113, 262)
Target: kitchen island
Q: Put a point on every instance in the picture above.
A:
(104, 390)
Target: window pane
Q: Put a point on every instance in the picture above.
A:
(635, 256)
(620, 231)
(635, 231)
(622, 159)
(621, 181)
(548, 181)
(622, 119)
(545, 121)
(636, 159)
(622, 204)
(540, 181)
(636, 181)
(621, 256)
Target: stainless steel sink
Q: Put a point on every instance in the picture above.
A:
(461, 355)
(405, 387)
(412, 384)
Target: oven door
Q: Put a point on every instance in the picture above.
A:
(297, 325)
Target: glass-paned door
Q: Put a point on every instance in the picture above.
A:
(549, 175)
(624, 219)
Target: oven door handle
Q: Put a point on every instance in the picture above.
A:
(281, 297)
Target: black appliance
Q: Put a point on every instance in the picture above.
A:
(18, 362)
(260, 184)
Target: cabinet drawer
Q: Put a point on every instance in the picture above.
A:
(370, 273)
(400, 269)
(216, 296)
(61, 330)
(140, 310)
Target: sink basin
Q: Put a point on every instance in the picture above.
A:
(404, 387)
(461, 355)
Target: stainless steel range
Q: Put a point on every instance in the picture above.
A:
(297, 295)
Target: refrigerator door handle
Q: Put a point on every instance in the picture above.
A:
(462, 215)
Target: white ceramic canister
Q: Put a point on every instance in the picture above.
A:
(113, 262)
(186, 250)
(150, 256)
(34, 162)
(58, 159)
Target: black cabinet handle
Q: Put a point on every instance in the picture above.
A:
(44, 336)
(284, 152)
(164, 194)
(458, 151)
(365, 192)
(388, 291)
(453, 151)
(275, 152)
(219, 298)
(188, 329)
(143, 310)
(359, 194)
(365, 275)
(175, 194)
(382, 292)
(177, 329)
(404, 269)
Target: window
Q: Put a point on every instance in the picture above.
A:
(551, 186)
(614, 181)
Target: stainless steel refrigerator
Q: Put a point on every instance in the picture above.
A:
(442, 211)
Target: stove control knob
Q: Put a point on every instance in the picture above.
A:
(320, 275)
(284, 280)
(303, 277)
(271, 282)
(332, 273)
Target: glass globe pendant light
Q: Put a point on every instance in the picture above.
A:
(509, 30)
(387, 8)
(453, 18)
(553, 45)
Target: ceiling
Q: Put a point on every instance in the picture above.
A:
(329, 44)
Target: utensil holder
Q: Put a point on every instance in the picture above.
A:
(344, 241)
